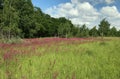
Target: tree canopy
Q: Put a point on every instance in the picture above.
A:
(19, 18)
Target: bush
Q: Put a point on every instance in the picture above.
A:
(11, 40)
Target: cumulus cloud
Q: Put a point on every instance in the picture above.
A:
(110, 11)
(109, 1)
(112, 14)
(94, 2)
(80, 13)
(85, 13)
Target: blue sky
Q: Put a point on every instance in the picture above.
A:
(44, 4)
(89, 12)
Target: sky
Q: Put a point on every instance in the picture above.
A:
(89, 12)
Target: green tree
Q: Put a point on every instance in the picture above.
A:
(65, 28)
(1, 17)
(27, 20)
(104, 28)
(118, 33)
(76, 31)
(38, 16)
(113, 31)
(1, 4)
(10, 20)
(84, 31)
(93, 32)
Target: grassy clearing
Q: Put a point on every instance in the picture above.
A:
(91, 60)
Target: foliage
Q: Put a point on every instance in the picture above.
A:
(13, 40)
(19, 18)
(113, 32)
(104, 28)
(93, 32)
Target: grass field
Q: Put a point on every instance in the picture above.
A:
(61, 58)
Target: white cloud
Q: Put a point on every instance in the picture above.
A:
(74, 1)
(110, 11)
(109, 1)
(80, 13)
(94, 2)
(85, 13)
(112, 14)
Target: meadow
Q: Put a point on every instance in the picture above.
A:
(61, 58)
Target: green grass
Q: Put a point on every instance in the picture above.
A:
(96, 60)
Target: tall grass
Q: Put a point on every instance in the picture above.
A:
(92, 60)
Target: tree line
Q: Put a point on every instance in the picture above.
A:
(19, 18)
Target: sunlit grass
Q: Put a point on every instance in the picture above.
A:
(92, 60)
